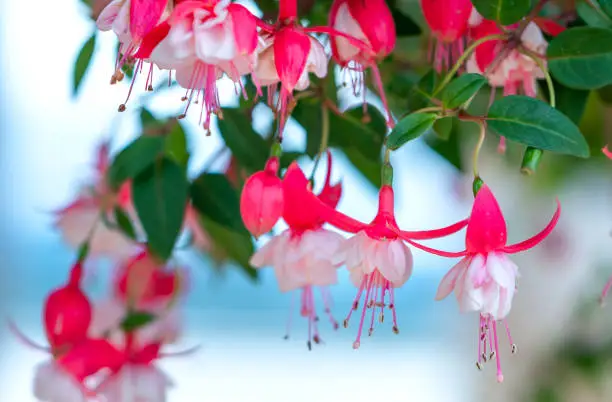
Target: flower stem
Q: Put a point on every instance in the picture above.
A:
(481, 138)
(324, 137)
(464, 57)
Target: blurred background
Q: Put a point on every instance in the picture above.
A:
(47, 146)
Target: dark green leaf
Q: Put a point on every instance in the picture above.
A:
(247, 146)
(606, 6)
(134, 159)
(533, 122)
(350, 130)
(214, 197)
(462, 89)
(421, 94)
(506, 12)
(309, 115)
(443, 127)
(136, 320)
(288, 157)
(593, 16)
(82, 63)
(448, 149)
(370, 169)
(176, 145)
(409, 128)
(581, 57)
(124, 223)
(404, 25)
(160, 197)
(147, 119)
(238, 245)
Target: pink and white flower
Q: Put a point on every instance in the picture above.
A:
(302, 256)
(207, 39)
(53, 384)
(76, 221)
(288, 56)
(137, 383)
(485, 279)
(376, 257)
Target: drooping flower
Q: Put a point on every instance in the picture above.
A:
(370, 37)
(205, 40)
(136, 24)
(82, 216)
(377, 259)
(147, 285)
(67, 313)
(485, 279)
(261, 201)
(448, 21)
(302, 255)
(288, 56)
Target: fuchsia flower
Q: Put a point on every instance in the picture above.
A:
(516, 72)
(607, 152)
(288, 56)
(370, 37)
(302, 255)
(376, 257)
(261, 201)
(485, 279)
(207, 39)
(79, 218)
(448, 21)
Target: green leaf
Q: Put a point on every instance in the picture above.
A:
(350, 130)
(410, 127)
(247, 146)
(176, 145)
(571, 102)
(404, 25)
(147, 119)
(82, 63)
(309, 115)
(462, 89)
(238, 245)
(422, 93)
(506, 12)
(370, 169)
(134, 159)
(593, 16)
(160, 197)
(444, 127)
(449, 149)
(124, 223)
(581, 57)
(136, 320)
(533, 122)
(214, 197)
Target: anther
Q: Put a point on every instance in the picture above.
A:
(345, 323)
(478, 366)
(182, 116)
(316, 339)
(150, 88)
(484, 357)
(286, 337)
(381, 318)
(370, 331)
(309, 344)
(492, 355)
(356, 345)
(355, 305)
(395, 330)
(514, 349)
(122, 107)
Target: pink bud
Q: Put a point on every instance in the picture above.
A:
(448, 19)
(261, 201)
(370, 22)
(67, 314)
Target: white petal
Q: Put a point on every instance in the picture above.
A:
(346, 23)
(447, 285)
(215, 43)
(137, 383)
(502, 270)
(53, 384)
(109, 14)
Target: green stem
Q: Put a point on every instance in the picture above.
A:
(464, 57)
(324, 137)
(481, 138)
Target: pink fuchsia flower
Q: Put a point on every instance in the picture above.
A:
(376, 257)
(302, 256)
(261, 200)
(607, 152)
(289, 55)
(369, 37)
(207, 39)
(79, 218)
(448, 21)
(485, 279)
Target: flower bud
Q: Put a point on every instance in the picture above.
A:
(67, 314)
(261, 201)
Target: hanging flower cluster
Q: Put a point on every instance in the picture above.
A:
(140, 202)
